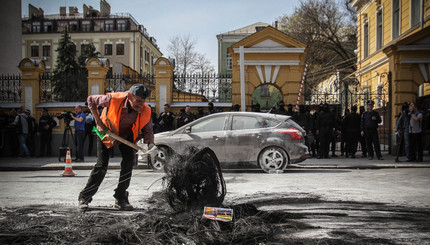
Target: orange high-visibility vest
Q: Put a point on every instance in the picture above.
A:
(111, 117)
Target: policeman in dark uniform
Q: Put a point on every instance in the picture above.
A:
(369, 129)
(324, 127)
(46, 123)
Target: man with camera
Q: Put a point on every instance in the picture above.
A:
(369, 129)
(125, 114)
(79, 126)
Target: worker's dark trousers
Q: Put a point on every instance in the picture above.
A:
(99, 171)
(372, 142)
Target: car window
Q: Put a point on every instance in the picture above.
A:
(245, 122)
(268, 122)
(209, 125)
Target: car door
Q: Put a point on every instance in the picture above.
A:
(243, 138)
(209, 132)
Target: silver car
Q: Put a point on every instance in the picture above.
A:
(271, 141)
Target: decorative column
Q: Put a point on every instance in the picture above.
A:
(31, 71)
(163, 82)
(97, 70)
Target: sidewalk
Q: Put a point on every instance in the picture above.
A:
(52, 163)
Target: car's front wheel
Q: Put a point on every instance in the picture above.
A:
(161, 156)
(273, 158)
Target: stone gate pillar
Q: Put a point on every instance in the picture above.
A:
(163, 82)
(31, 71)
(97, 70)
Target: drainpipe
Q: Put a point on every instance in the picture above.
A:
(242, 78)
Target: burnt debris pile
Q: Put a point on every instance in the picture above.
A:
(194, 181)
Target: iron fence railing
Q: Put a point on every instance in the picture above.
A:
(121, 82)
(10, 88)
(207, 87)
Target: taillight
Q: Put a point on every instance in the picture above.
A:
(293, 132)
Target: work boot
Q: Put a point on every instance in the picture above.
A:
(82, 205)
(123, 203)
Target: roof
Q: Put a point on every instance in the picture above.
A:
(247, 29)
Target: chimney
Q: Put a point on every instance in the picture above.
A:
(63, 11)
(34, 12)
(104, 8)
(71, 11)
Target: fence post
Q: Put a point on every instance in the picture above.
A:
(31, 70)
(97, 70)
(163, 82)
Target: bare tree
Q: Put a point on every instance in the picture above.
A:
(330, 34)
(202, 65)
(182, 48)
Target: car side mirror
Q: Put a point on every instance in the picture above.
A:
(188, 130)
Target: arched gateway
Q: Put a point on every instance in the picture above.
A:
(265, 60)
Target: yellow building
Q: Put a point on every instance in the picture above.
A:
(118, 37)
(393, 51)
(267, 64)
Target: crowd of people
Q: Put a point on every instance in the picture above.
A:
(324, 129)
(357, 126)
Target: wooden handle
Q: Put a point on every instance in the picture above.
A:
(124, 141)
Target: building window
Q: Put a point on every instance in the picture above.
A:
(108, 49)
(46, 51)
(120, 49)
(36, 26)
(47, 27)
(109, 25)
(146, 57)
(415, 12)
(228, 62)
(120, 25)
(396, 18)
(86, 26)
(379, 31)
(34, 51)
(366, 39)
(264, 91)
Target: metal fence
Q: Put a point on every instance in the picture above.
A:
(121, 82)
(206, 87)
(11, 88)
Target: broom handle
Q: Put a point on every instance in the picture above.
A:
(116, 137)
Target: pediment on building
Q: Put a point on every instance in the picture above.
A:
(269, 37)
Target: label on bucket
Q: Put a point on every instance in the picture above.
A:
(220, 214)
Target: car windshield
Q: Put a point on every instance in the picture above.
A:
(209, 125)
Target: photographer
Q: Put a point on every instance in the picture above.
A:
(79, 132)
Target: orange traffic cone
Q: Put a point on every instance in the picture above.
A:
(68, 171)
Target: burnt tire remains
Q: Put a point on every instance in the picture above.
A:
(194, 181)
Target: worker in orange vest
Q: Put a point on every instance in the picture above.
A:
(125, 114)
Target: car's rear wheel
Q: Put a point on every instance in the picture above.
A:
(273, 158)
(161, 156)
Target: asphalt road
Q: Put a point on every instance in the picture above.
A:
(407, 186)
(371, 205)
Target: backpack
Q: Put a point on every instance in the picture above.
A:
(32, 125)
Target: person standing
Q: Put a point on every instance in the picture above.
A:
(415, 131)
(46, 124)
(325, 125)
(369, 129)
(125, 114)
(32, 130)
(361, 138)
(166, 119)
(89, 124)
(79, 126)
(186, 117)
(21, 126)
(351, 125)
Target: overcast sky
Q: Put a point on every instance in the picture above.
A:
(202, 19)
